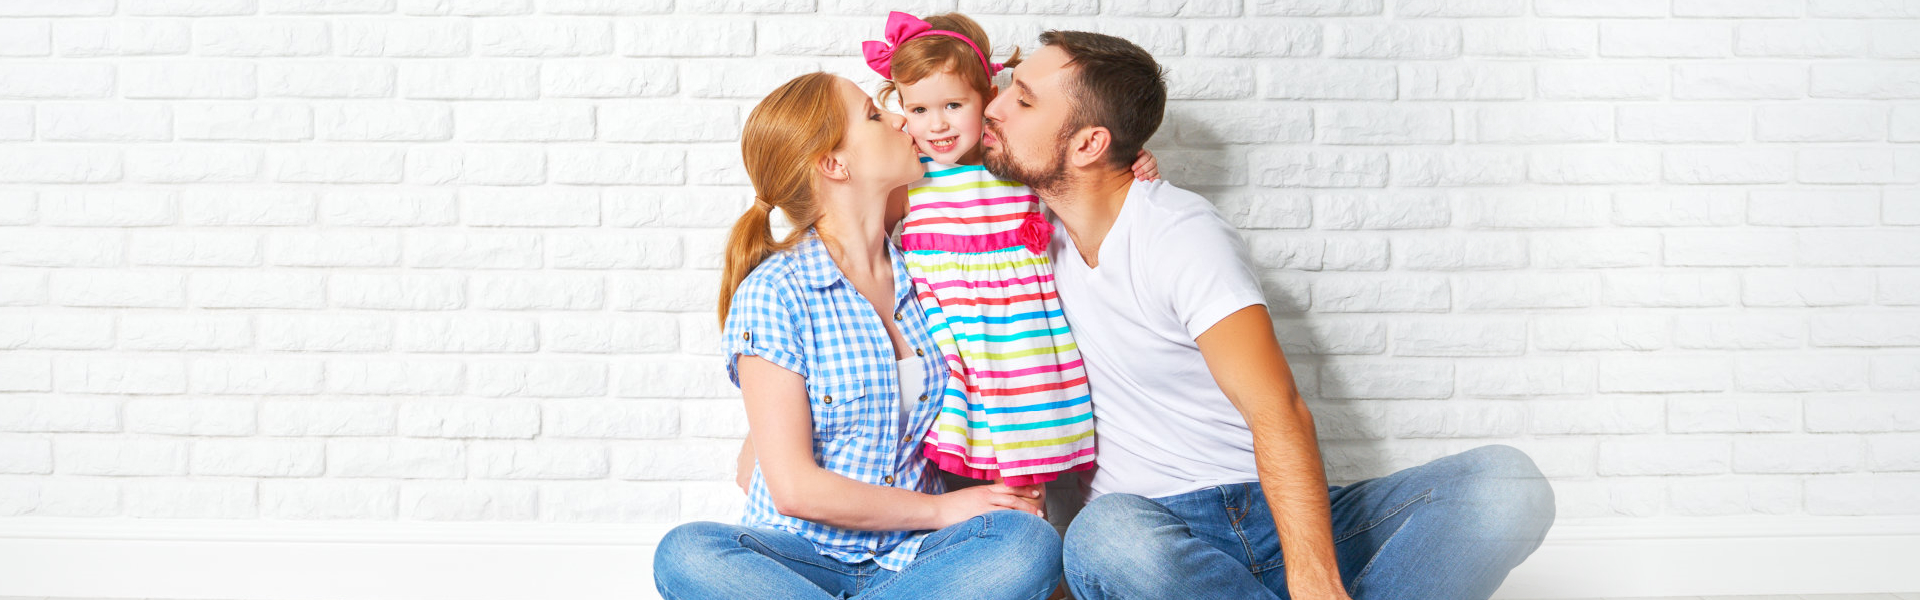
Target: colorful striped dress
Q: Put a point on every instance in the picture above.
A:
(1017, 408)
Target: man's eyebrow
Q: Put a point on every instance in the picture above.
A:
(1023, 87)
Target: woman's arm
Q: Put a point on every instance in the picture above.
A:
(780, 429)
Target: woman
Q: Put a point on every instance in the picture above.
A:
(831, 351)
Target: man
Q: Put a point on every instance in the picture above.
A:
(1209, 467)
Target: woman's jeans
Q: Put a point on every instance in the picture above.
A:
(999, 555)
(1447, 530)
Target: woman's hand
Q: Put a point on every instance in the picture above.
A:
(1035, 494)
(960, 505)
(1145, 168)
(744, 464)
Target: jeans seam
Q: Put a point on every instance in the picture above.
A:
(1383, 518)
(1088, 582)
(1383, 545)
(985, 526)
(836, 567)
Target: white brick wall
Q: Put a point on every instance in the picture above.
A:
(455, 260)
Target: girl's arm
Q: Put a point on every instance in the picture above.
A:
(780, 428)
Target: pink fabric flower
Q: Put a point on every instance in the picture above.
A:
(1035, 233)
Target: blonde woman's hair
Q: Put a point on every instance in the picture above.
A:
(785, 136)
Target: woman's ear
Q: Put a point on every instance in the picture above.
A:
(833, 167)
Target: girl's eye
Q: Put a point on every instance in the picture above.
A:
(917, 110)
(953, 106)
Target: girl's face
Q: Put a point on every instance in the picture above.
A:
(943, 115)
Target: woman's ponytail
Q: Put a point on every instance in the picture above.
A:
(749, 243)
(785, 136)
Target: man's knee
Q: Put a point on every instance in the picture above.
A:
(1508, 487)
(1114, 530)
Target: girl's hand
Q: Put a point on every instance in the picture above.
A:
(1145, 168)
(962, 504)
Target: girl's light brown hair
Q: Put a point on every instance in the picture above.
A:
(926, 55)
(785, 136)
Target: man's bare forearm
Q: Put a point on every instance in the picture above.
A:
(1287, 456)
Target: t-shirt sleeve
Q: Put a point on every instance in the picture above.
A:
(765, 320)
(1206, 271)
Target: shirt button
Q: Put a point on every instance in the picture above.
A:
(919, 352)
(826, 399)
(746, 335)
(889, 480)
(923, 397)
(906, 439)
(896, 316)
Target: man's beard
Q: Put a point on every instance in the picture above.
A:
(1046, 178)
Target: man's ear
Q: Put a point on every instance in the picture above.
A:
(1089, 146)
(833, 167)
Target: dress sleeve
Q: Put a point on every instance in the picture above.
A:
(765, 320)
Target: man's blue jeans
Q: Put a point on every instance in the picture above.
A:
(999, 555)
(1447, 530)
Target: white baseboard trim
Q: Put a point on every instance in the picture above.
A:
(277, 560)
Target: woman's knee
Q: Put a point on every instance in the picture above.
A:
(1025, 534)
(687, 544)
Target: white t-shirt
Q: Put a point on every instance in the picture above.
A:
(912, 374)
(1170, 269)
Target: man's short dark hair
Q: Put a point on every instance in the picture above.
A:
(1116, 85)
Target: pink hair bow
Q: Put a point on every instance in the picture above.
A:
(902, 27)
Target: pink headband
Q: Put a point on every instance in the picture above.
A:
(902, 27)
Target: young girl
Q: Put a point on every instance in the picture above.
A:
(1016, 409)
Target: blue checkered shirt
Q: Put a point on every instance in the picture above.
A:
(796, 311)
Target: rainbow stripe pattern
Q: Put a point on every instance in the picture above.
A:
(1017, 407)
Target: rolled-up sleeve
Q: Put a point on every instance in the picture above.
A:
(765, 321)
